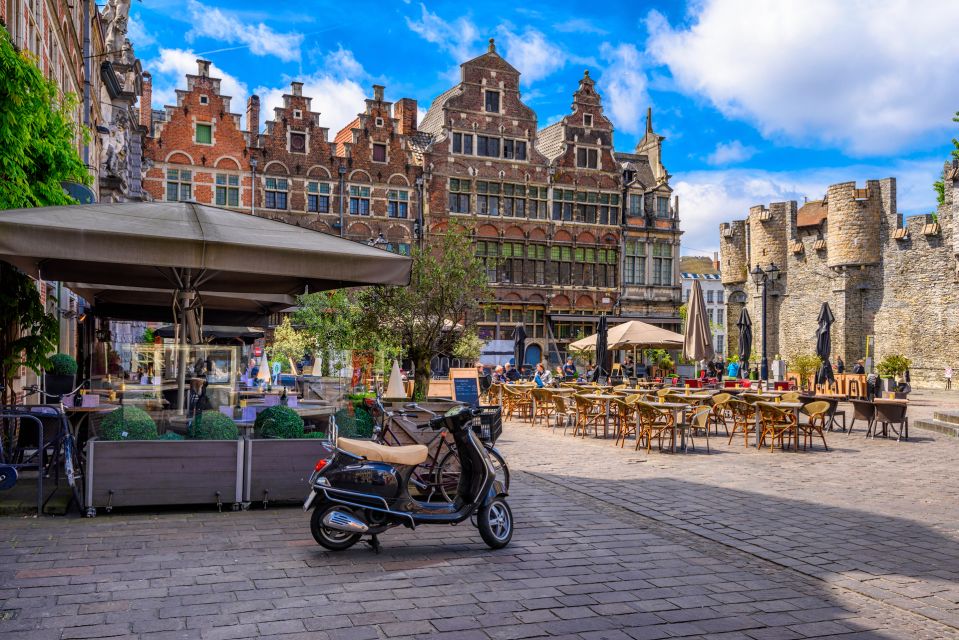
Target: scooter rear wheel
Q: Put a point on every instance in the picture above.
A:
(331, 538)
(495, 523)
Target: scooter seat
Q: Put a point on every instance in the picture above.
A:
(412, 454)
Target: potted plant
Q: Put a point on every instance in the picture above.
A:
(891, 367)
(61, 375)
(804, 366)
(128, 464)
(280, 457)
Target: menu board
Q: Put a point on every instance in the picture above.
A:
(466, 390)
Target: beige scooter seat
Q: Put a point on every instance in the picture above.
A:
(412, 454)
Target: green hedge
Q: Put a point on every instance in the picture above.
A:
(128, 423)
(278, 422)
(212, 425)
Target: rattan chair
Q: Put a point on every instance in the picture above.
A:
(562, 411)
(698, 420)
(516, 400)
(776, 424)
(543, 403)
(888, 414)
(588, 414)
(653, 423)
(625, 415)
(720, 406)
(791, 396)
(818, 413)
(744, 419)
(862, 410)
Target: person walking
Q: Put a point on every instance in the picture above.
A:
(948, 378)
(840, 365)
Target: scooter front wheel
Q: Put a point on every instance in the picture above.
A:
(326, 537)
(495, 523)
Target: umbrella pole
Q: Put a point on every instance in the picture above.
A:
(181, 369)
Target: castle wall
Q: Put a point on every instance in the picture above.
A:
(854, 215)
(734, 265)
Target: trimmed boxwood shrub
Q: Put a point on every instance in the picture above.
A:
(357, 423)
(212, 425)
(171, 435)
(128, 423)
(62, 364)
(278, 422)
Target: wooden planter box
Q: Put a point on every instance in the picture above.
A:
(278, 470)
(163, 472)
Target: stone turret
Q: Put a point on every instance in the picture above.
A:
(769, 233)
(732, 250)
(855, 217)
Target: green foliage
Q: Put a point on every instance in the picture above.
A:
(893, 365)
(355, 423)
(27, 332)
(171, 435)
(212, 425)
(37, 135)
(469, 346)
(62, 364)
(149, 336)
(128, 423)
(288, 343)
(278, 422)
(940, 185)
(667, 363)
(805, 365)
(448, 285)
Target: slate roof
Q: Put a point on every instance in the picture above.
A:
(550, 141)
(639, 164)
(433, 120)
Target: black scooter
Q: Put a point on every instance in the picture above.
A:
(362, 489)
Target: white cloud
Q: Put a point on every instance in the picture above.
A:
(579, 25)
(169, 73)
(623, 86)
(139, 36)
(261, 39)
(707, 198)
(730, 153)
(867, 76)
(531, 53)
(458, 38)
(336, 91)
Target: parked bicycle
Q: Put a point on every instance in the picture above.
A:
(437, 478)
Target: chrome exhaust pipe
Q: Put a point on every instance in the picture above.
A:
(341, 521)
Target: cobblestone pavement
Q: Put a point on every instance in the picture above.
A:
(860, 542)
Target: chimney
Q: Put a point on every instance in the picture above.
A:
(716, 260)
(146, 103)
(203, 67)
(405, 113)
(253, 118)
(378, 92)
(297, 88)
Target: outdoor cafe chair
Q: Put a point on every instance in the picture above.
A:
(562, 411)
(653, 423)
(588, 414)
(516, 400)
(744, 415)
(543, 401)
(776, 424)
(698, 420)
(663, 392)
(720, 405)
(493, 394)
(791, 396)
(818, 413)
(751, 398)
(862, 410)
(888, 414)
(625, 420)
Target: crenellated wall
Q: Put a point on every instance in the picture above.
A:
(890, 283)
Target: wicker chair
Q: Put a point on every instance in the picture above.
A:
(720, 406)
(562, 411)
(588, 413)
(698, 420)
(625, 414)
(653, 423)
(818, 413)
(744, 415)
(862, 410)
(891, 414)
(543, 403)
(516, 400)
(792, 396)
(775, 423)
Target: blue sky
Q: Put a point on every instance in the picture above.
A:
(760, 101)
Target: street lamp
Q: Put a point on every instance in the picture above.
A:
(253, 187)
(762, 277)
(342, 172)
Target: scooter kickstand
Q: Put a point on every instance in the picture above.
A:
(374, 543)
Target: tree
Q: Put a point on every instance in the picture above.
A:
(940, 185)
(27, 332)
(447, 287)
(37, 135)
(330, 320)
(288, 343)
(468, 346)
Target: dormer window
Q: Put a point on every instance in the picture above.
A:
(492, 102)
(379, 122)
(587, 119)
(204, 100)
(297, 114)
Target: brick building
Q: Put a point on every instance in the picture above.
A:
(892, 283)
(548, 208)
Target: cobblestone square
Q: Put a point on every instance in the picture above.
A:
(857, 542)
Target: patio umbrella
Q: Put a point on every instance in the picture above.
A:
(697, 341)
(602, 350)
(182, 249)
(519, 346)
(824, 344)
(632, 334)
(745, 339)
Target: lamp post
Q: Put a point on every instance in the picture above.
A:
(762, 278)
(342, 172)
(253, 187)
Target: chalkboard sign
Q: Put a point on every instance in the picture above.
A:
(466, 390)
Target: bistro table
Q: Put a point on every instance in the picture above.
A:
(79, 416)
(793, 406)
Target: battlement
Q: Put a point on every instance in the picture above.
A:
(732, 249)
(769, 231)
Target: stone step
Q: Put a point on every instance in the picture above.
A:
(939, 426)
(951, 417)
